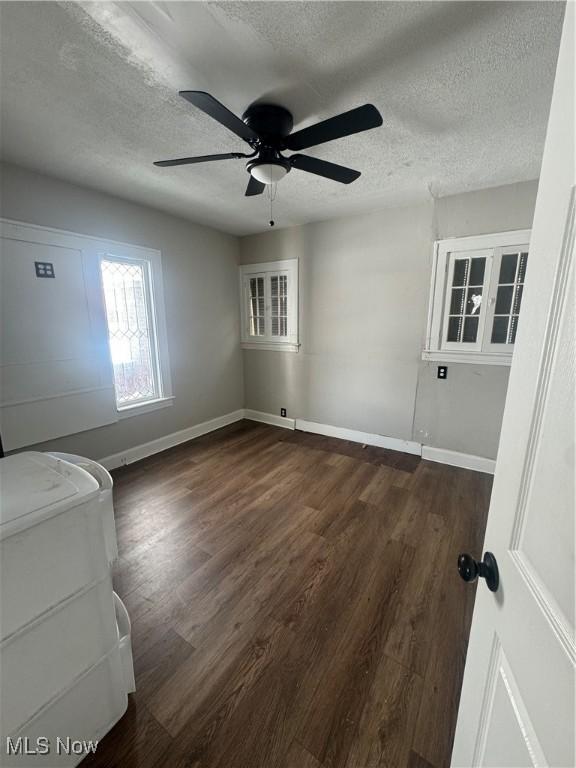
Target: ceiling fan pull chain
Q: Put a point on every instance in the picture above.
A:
(272, 195)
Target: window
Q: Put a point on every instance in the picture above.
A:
(476, 296)
(269, 303)
(132, 331)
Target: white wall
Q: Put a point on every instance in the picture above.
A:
(363, 297)
(201, 296)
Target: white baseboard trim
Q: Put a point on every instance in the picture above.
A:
(366, 438)
(130, 455)
(269, 418)
(442, 455)
(464, 460)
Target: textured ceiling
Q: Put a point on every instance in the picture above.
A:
(89, 94)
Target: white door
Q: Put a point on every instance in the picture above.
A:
(517, 703)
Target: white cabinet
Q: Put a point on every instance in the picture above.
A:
(65, 649)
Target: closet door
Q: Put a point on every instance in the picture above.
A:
(54, 360)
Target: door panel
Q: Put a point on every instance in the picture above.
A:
(546, 541)
(509, 738)
(517, 701)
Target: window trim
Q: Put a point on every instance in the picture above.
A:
(159, 337)
(434, 350)
(267, 270)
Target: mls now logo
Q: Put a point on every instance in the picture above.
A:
(43, 746)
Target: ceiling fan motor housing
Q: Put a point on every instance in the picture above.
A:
(271, 122)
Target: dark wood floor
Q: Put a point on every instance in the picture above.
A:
(294, 603)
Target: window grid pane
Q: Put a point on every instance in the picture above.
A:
(279, 309)
(466, 299)
(129, 331)
(508, 297)
(256, 306)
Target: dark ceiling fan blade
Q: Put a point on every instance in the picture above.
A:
(219, 112)
(198, 159)
(254, 187)
(354, 121)
(323, 168)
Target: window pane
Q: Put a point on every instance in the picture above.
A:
(499, 330)
(454, 328)
(279, 304)
(513, 329)
(474, 301)
(522, 267)
(477, 271)
(517, 299)
(274, 293)
(256, 306)
(460, 272)
(466, 299)
(509, 297)
(508, 268)
(457, 301)
(129, 332)
(504, 299)
(470, 329)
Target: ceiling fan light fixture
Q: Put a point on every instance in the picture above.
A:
(268, 173)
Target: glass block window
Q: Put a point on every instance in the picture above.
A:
(126, 286)
(279, 308)
(257, 306)
(508, 298)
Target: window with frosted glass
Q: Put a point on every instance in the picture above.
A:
(130, 331)
(508, 297)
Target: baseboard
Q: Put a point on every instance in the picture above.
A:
(130, 455)
(442, 455)
(464, 460)
(366, 438)
(269, 418)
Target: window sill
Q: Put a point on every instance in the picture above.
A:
(476, 358)
(139, 408)
(281, 346)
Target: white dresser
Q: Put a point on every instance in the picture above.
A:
(65, 654)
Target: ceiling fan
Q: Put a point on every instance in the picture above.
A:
(266, 128)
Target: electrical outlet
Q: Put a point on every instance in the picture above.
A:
(442, 371)
(283, 412)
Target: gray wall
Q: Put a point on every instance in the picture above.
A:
(364, 284)
(363, 300)
(201, 295)
(464, 412)
(362, 310)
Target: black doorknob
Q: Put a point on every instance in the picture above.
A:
(469, 569)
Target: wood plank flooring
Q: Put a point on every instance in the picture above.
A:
(294, 602)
